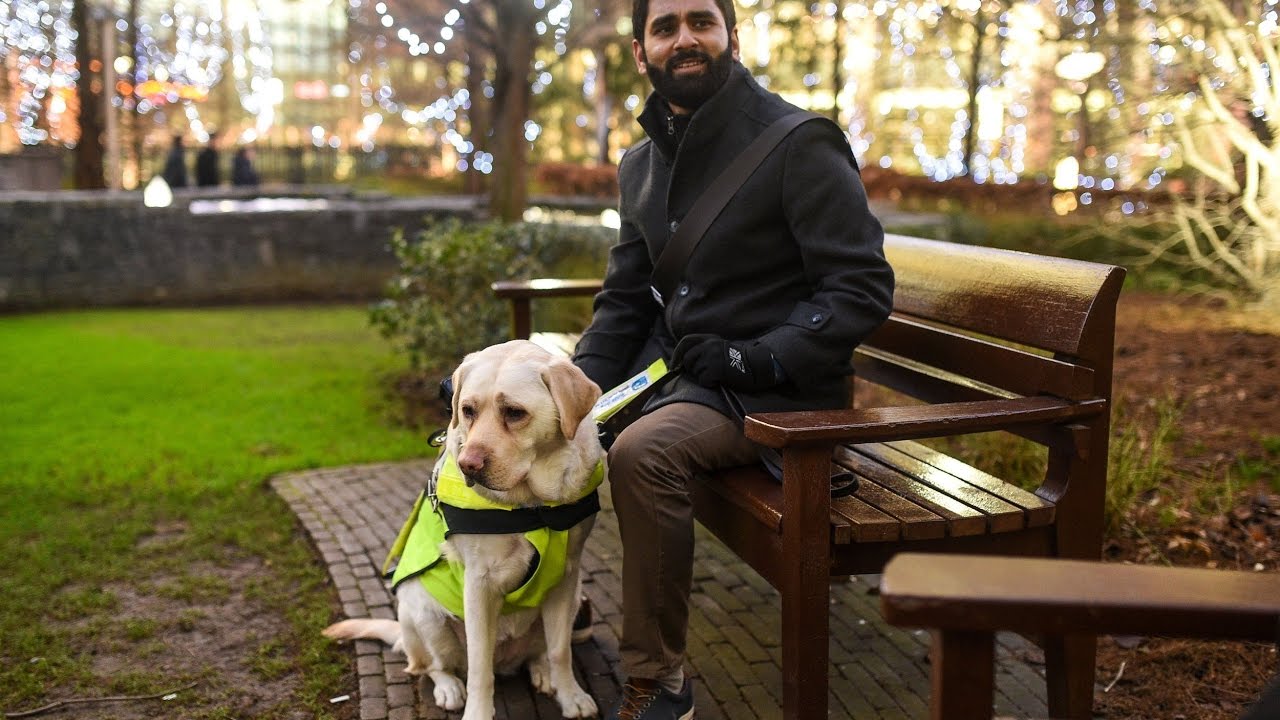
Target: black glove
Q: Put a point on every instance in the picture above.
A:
(739, 365)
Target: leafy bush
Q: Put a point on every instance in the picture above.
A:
(439, 306)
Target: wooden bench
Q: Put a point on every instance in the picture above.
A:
(965, 599)
(988, 340)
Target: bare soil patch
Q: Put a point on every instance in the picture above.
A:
(201, 628)
(1220, 368)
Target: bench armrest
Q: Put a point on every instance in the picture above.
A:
(544, 288)
(864, 425)
(1037, 595)
(521, 293)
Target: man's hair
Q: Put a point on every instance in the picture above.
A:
(640, 16)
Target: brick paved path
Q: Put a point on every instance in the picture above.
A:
(352, 514)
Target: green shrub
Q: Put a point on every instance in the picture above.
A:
(439, 305)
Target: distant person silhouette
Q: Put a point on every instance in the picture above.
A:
(207, 174)
(175, 165)
(242, 172)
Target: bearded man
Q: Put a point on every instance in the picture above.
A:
(780, 289)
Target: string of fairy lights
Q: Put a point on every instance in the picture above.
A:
(39, 49)
(448, 111)
(182, 52)
(920, 51)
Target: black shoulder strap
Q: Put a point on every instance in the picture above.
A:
(666, 272)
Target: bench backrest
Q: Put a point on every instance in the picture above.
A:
(979, 322)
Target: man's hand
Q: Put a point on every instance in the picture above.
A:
(711, 360)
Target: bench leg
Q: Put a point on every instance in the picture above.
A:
(805, 584)
(805, 654)
(521, 318)
(1069, 672)
(963, 675)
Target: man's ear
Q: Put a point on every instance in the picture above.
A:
(637, 52)
(733, 44)
(573, 393)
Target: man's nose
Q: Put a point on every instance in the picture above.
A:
(685, 37)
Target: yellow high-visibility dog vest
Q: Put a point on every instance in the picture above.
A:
(456, 508)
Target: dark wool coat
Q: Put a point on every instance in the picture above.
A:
(794, 260)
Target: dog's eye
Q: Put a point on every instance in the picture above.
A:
(514, 414)
(468, 412)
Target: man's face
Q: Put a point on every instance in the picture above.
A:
(687, 51)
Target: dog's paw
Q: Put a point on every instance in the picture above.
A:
(540, 675)
(450, 692)
(574, 703)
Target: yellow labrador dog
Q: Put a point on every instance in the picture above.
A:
(522, 437)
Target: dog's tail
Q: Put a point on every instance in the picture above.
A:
(388, 631)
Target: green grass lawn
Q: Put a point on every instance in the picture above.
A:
(114, 424)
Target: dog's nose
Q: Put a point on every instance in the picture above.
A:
(471, 463)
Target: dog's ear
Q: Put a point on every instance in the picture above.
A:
(458, 376)
(574, 394)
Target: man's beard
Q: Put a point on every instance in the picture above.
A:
(691, 91)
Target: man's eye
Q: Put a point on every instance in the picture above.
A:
(514, 414)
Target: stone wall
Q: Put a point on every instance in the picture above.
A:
(35, 168)
(78, 249)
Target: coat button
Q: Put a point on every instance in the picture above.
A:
(816, 319)
(684, 290)
(674, 224)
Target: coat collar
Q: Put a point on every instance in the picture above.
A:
(714, 114)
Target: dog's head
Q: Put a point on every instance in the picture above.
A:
(521, 428)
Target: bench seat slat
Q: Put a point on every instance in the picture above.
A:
(866, 523)
(754, 491)
(961, 519)
(1002, 516)
(913, 521)
(1039, 512)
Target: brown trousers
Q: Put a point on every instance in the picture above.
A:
(650, 465)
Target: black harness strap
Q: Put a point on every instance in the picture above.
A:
(519, 520)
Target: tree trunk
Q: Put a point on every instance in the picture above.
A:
(508, 193)
(138, 121)
(837, 63)
(975, 82)
(477, 116)
(603, 103)
(88, 152)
